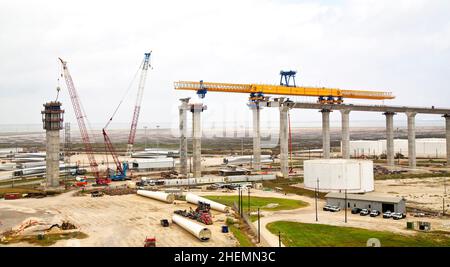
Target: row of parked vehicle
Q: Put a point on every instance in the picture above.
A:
(374, 213)
(365, 212)
(331, 208)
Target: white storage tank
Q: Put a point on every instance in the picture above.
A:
(339, 174)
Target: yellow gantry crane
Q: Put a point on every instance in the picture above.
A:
(257, 91)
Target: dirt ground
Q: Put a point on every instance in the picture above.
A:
(112, 220)
(421, 193)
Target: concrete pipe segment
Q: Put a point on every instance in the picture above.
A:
(198, 230)
(165, 197)
(194, 199)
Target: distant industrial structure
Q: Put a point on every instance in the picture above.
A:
(425, 148)
(52, 119)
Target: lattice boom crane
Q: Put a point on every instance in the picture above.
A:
(82, 125)
(137, 107)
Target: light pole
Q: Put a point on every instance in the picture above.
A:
(316, 195)
(145, 136)
(157, 137)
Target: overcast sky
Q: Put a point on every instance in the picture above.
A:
(401, 46)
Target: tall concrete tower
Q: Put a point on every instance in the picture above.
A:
(52, 119)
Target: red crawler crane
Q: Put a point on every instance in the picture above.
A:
(82, 125)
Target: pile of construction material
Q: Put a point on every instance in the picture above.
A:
(202, 213)
(380, 170)
(119, 191)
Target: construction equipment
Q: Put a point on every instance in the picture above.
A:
(79, 113)
(137, 107)
(150, 242)
(164, 223)
(257, 91)
(202, 213)
(121, 169)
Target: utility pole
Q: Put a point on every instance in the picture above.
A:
(259, 228)
(345, 205)
(279, 239)
(242, 146)
(248, 201)
(239, 201)
(316, 195)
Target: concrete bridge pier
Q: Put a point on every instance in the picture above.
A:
(447, 136)
(326, 133)
(389, 138)
(411, 139)
(196, 110)
(256, 110)
(183, 135)
(284, 132)
(345, 133)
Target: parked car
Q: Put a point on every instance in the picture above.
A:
(364, 212)
(335, 209)
(356, 210)
(374, 213)
(398, 215)
(327, 207)
(387, 214)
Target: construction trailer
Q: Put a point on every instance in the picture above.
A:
(153, 164)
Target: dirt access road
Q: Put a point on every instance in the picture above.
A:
(112, 220)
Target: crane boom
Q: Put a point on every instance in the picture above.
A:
(112, 151)
(280, 90)
(137, 107)
(81, 123)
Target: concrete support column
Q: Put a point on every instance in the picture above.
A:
(256, 109)
(326, 133)
(52, 158)
(411, 139)
(447, 136)
(389, 138)
(196, 110)
(183, 136)
(345, 133)
(284, 150)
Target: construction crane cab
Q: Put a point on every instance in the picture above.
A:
(287, 76)
(202, 91)
(119, 175)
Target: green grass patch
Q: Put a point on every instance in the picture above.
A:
(243, 239)
(261, 202)
(286, 186)
(295, 234)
